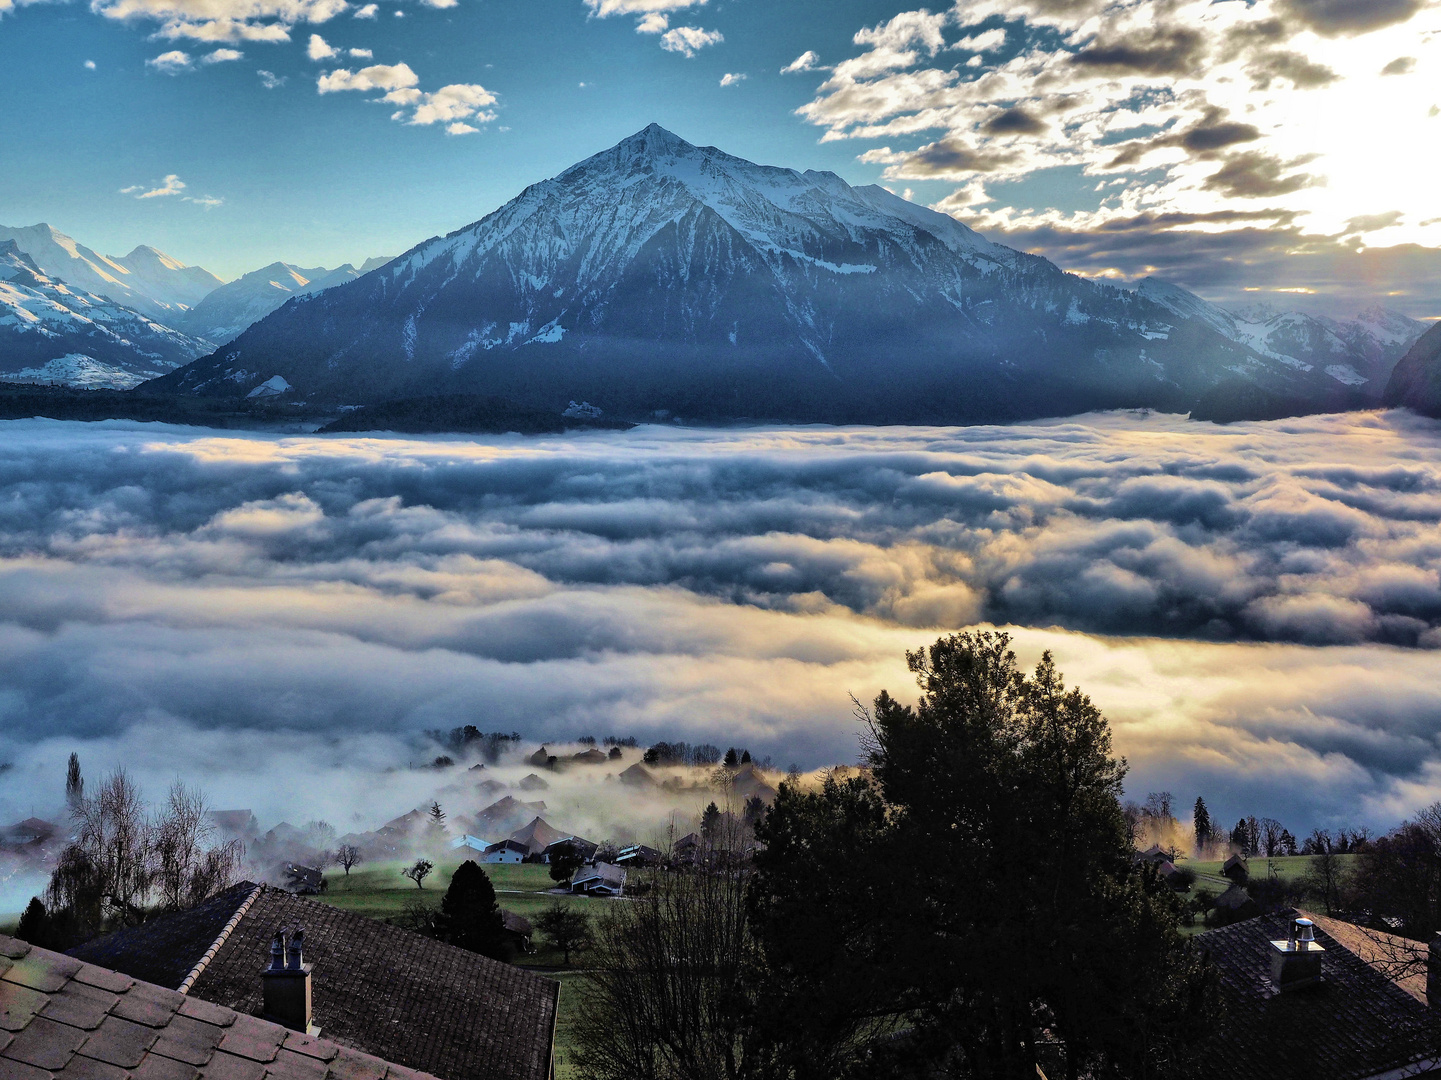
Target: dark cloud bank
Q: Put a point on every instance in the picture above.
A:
(1255, 606)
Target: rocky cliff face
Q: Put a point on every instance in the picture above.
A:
(1416, 382)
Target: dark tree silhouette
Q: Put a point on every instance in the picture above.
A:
(565, 928)
(1201, 818)
(470, 916)
(74, 783)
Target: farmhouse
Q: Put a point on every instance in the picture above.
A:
(599, 879)
(537, 836)
(374, 987)
(638, 855)
(584, 849)
(1235, 869)
(1301, 1010)
(506, 851)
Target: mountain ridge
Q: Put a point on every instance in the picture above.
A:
(660, 277)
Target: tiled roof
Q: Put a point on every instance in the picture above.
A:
(1355, 1023)
(61, 1019)
(378, 988)
(1401, 960)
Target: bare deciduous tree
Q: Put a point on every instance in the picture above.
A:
(672, 983)
(112, 831)
(348, 855)
(188, 866)
(418, 871)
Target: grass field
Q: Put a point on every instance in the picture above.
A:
(1289, 868)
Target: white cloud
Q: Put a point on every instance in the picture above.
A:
(440, 3)
(1198, 108)
(986, 42)
(221, 56)
(171, 186)
(806, 61)
(687, 40)
(366, 12)
(270, 80)
(731, 78)
(378, 77)
(459, 105)
(222, 21)
(457, 102)
(90, 65)
(171, 62)
(319, 48)
(654, 23)
(604, 9)
(361, 54)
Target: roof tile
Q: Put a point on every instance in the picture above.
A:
(204, 1011)
(349, 1065)
(191, 1041)
(45, 1044)
(152, 1006)
(14, 948)
(79, 1006)
(18, 1005)
(84, 1068)
(231, 1067)
(103, 979)
(158, 1067)
(253, 1039)
(43, 971)
(120, 1042)
(18, 1070)
(310, 1046)
(292, 1066)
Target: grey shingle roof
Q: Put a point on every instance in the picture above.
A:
(62, 1019)
(1354, 1023)
(378, 988)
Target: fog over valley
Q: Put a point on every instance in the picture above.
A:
(281, 619)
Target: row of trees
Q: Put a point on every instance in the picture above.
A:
(968, 907)
(128, 859)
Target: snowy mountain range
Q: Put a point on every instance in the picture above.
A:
(146, 280)
(228, 310)
(53, 333)
(659, 277)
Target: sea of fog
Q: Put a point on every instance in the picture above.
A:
(1254, 606)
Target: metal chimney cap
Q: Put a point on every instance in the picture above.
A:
(277, 951)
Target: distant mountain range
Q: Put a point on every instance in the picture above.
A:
(661, 278)
(179, 312)
(51, 332)
(228, 310)
(146, 280)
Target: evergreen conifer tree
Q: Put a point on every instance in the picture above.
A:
(1204, 829)
(470, 916)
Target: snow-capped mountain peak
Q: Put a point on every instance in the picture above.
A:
(662, 275)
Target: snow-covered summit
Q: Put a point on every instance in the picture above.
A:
(658, 276)
(147, 280)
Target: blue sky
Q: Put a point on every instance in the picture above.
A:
(1251, 150)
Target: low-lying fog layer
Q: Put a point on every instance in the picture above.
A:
(274, 618)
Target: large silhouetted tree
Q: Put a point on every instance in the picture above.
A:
(979, 890)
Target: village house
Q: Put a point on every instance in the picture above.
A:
(373, 987)
(584, 849)
(470, 843)
(505, 851)
(638, 855)
(599, 879)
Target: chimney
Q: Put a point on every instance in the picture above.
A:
(1433, 973)
(1296, 962)
(286, 984)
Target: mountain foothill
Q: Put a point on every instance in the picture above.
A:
(658, 279)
